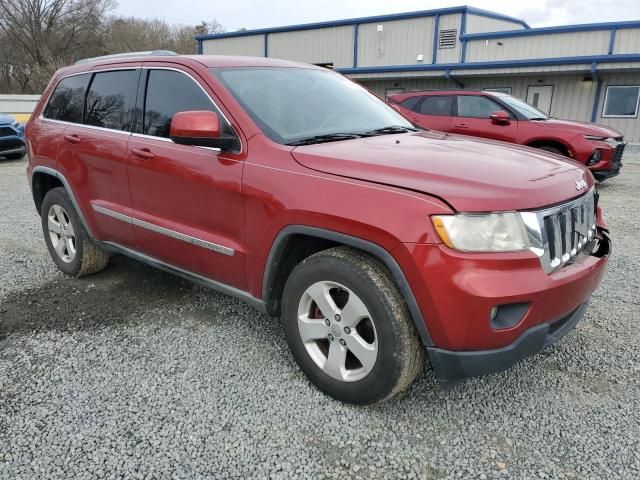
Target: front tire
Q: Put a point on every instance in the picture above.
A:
(69, 244)
(349, 328)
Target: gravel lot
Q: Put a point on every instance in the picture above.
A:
(134, 373)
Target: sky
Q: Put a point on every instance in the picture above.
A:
(252, 14)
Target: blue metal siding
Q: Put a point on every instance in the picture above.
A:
(377, 18)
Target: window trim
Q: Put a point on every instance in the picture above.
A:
(486, 97)
(145, 71)
(143, 68)
(75, 74)
(606, 97)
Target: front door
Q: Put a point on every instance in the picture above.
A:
(473, 118)
(187, 201)
(540, 96)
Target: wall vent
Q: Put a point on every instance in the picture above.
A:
(447, 39)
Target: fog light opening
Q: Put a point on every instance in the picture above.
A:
(508, 315)
(594, 158)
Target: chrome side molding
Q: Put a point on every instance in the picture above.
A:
(198, 242)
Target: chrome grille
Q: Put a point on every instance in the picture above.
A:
(560, 233)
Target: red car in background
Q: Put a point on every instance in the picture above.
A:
(500, 116)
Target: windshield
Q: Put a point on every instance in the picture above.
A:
(296, 104)
(523, 108)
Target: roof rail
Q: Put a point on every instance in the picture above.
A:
(148, 53)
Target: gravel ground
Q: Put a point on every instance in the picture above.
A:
(134, 373)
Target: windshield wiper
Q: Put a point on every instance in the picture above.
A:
(391, 129)
(539, 118)
(330, 137)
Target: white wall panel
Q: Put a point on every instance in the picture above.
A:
(399, 43)
(250, 45)
(320, 45)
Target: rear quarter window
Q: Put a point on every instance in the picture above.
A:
(66, 103)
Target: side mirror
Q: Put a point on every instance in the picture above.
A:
(500, 117)
(200, 128)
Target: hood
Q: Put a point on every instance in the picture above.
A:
(584, 128)
(472, 175)
(4, 118)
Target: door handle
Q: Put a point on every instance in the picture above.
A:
(461, 125)
(72, 138)
(143, 153)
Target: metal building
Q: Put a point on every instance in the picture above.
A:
(585, 72)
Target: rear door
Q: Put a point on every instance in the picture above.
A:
(94, 153)
(473, 118)
(187, 201)
(435, 112)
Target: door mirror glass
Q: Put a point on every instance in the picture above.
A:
(500, 117)
(199, 128)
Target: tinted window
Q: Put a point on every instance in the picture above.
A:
(168, 93)
(621, 102)
(476, 106)
(436, 106)
(111, 98)
(67, 100)
(409, 103)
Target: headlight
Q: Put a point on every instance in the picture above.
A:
(494, 232)
(609, 140)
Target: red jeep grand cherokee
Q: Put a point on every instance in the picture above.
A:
(502, 117)
(298, 191)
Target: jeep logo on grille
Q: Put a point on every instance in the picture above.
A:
(581, 184)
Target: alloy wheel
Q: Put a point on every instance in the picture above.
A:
(61, 233)
(337, 331)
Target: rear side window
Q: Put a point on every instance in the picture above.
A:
(67, 100)
(437, 105)
(170, 92)
(476, 106)
(409, 103)
(111, 99)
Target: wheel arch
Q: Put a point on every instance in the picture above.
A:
(44, 179)
(551, 142)
(286, 252)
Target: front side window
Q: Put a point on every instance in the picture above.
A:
(293, 104)
(436, 105)
(621, 101)
(67, 100)
(471, 106)
(170, 92)
(523, 108)
(111, 99)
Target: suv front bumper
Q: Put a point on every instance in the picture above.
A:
(460, 290)
(451, 366)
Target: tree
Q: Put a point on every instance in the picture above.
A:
(39, 36)
(43, 35)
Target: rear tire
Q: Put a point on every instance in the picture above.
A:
(348, 327)
(69, 244)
